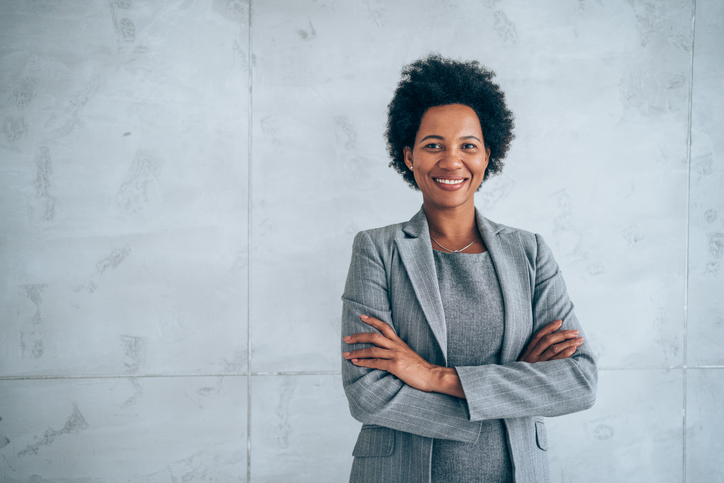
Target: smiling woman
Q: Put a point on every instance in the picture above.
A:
(459, 335)
(449, 159)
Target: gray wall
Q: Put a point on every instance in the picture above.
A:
(180, 182)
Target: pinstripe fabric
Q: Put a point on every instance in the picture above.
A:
(392, 277)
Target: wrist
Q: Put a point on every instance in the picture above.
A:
(445, 380)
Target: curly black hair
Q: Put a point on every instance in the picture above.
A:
(438, 81)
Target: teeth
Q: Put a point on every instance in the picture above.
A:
(449, 181)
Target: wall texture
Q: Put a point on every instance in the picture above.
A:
(180, 182)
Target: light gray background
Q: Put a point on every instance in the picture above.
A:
(180, 183)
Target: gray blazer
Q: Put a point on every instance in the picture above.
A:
(392, 277)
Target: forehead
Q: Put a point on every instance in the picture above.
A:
(451, 119)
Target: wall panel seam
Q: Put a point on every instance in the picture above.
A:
(250, 134)
(688, 241)
(299, 373)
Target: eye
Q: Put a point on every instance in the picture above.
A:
(433, 146)
(469, 146)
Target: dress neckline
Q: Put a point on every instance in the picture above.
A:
(486, 252)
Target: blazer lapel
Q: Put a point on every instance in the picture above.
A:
(510, 265)
(415, 250)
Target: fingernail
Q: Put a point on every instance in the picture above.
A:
(354, 360)
(574, 333)
(580, 340)
(348, 337)
(364, 317)
(345, 354)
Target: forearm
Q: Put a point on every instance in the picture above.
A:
(445, 380)
(381, 398)
(519, 389)
(543, 388)
(378, 397)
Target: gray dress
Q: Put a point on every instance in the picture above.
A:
(473, 306)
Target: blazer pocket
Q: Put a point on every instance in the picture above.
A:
(374, 441)
(541, 438)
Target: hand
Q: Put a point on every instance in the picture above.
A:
(549, 344)
(391, 354)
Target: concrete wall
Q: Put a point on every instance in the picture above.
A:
(180, 182)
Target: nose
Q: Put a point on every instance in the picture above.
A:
(450, 159)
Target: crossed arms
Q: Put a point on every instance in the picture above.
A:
(389, 384)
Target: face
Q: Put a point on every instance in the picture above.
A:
(449, 157)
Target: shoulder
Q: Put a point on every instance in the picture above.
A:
(385, 236)
(380, 239)
(528, 239)
(383, 233)
(532, 244)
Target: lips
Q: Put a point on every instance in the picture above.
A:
(450, 184)
(449, 181)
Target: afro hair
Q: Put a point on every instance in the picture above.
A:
(438, 81)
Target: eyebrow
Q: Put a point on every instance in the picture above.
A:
(434, 136)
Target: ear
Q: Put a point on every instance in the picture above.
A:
(408, 156)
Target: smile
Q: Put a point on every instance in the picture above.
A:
(448, 181)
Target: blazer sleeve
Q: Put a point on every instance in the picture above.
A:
(375, 396)
(550, 388)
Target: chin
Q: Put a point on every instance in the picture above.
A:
(450, 203)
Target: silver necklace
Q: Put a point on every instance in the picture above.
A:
(454, 251)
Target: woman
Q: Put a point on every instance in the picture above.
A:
(459, 335)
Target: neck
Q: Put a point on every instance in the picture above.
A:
(457, 224)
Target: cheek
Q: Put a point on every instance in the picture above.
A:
(484, 165)
(419, 179)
